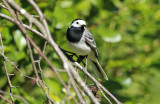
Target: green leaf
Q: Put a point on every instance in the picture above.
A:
(19, 40)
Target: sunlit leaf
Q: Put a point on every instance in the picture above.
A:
(20, 40)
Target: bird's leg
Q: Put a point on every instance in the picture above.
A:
(70, 57)
(86, 63)
(80, 58)
(85, 68)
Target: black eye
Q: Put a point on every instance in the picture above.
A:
(76, 22)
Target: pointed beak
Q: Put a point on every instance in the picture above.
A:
(84, 25)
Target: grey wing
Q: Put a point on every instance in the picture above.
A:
(90, 41)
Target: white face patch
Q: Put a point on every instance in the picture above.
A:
(78, 23)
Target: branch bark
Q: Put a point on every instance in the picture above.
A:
(45, 34)
(16, 96)
(5, 67)
(5, 99)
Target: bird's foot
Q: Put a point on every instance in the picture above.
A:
(85, 69)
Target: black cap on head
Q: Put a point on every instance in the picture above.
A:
(76, 19)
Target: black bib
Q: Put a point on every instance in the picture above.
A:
(74, 34)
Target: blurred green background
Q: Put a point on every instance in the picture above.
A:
(127, 33)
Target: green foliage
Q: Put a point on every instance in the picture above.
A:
(127, 37)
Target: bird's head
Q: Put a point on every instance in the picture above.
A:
(78, 23)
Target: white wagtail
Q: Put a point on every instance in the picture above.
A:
(81, 42)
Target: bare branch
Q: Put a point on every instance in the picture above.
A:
(32, 60)
(19, 97)
(5, 99)
(26, 26)
(53, 68)
(65, 62)
(76, 89)
(33, 64)
(96, 82)
(13, 15)
(76, 76)
(36, 72)
(41, 16)
(82, 94)
(72, 74)
(104, 95)
(16, 67)
(28, 16)
(5, 67)
(39, 65)
(31, 56)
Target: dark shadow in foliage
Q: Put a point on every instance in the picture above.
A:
(113, 87)
(108, 4)
(93, 13)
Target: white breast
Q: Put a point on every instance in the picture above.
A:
(80, 47)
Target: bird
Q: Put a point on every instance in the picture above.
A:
(82, 43)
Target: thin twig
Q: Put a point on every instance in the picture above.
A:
(20, 24)
(67, 93)
(76, 89)
(5, 67)
(5, 99)
(45, 44)
(13, 15)
(53, 68)
(41, 16)
(97, 83)
(19, 97)
(28, 16)
(82, 93)
(39, 65)
(26, 26)
(81, 83)
(3, 6)
(104, 95)
(33, 64)
(29, 28)
(32, 60)
(16, 67)
(68, 66)
(54, 46)
(36, 72)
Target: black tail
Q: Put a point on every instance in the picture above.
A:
(99, 70)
